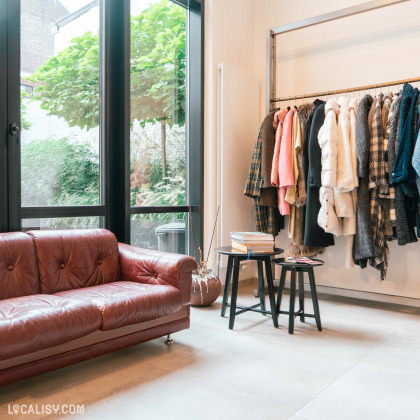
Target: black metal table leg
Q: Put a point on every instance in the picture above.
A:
(314, 298)
(292, 301)
(261, 284)
(301, 297)
(270, 286)
(235, 279)
(227, 285)
(281, 288)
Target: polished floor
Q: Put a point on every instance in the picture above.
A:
(364, 365)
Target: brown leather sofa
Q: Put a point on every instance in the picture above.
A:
(68, 296)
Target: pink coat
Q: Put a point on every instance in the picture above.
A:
(278, 126)
(282, 163)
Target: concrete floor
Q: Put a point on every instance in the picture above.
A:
(364, 365)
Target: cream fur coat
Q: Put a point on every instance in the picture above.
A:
(336, 139)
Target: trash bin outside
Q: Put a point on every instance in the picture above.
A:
(171, 237)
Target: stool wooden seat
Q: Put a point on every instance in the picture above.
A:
(299, 268)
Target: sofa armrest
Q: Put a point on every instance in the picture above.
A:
(157, 267)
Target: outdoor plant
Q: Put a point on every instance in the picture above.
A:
(67, 86)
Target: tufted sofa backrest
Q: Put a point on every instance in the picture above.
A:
(18, 266)
(72, 259)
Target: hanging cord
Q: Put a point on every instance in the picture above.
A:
(192, 233)
(212, 236)
(218, 266)
(249, 254)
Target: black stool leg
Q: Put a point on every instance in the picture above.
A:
(227, 285)
(292, 301)
(301, 296)
(314, 298)
(269, 275)
(234, 292)
(281, 288)
(261, 284)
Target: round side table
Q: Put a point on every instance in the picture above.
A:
(300, 268)
(234, 259)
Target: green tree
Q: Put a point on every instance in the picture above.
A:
(70, 177)
(68, 84)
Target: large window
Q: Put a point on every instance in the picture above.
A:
(60, 94)
(103, 114)
(158, 140)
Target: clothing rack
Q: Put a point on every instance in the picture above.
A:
(337, 92)
(305, 23)
(272, 38)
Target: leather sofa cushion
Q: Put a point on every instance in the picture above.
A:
(32, 323)
(124, 303)
(18, 266)
(156, 267)
(73, 259)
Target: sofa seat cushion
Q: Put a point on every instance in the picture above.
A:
(32, 323)
(124, 302)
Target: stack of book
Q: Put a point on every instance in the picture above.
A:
(256, 242)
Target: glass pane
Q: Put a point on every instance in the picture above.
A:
(62, 223)
(60, 102)
(158, 81)
(164, 232)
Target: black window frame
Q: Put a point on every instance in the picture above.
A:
(114, 206)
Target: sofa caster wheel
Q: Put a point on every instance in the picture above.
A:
(169, 340)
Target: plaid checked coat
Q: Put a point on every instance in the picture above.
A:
(268, 218)
(379, 192)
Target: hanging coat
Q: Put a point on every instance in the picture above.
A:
(389, 204)
(363, 247)
(268, 194)
(398, 217)
(405, 226)
(291, 191)
(278, 126)
(327, 140)
(337, 210)
(268, 218)
(353, 105)
(296, 248)
(416, 156)
(285, 163)
(305, 153)
(403, 173)
(393, 123)
(378, 186)
(346, 160)
(314, 234)
(346, 179)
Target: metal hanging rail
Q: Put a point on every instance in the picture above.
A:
(305, 23)
(338, 92)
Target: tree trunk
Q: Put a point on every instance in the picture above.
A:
(163, 145)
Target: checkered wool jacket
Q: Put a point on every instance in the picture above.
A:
(268, 218)
(379, 192)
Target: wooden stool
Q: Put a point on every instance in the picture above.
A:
(300, 268)
(234, 260)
